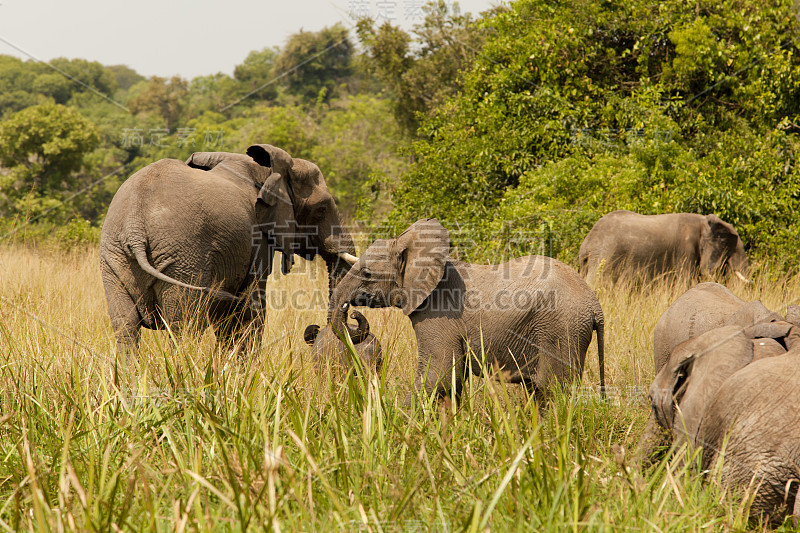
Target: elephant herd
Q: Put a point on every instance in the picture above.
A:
(181, 237)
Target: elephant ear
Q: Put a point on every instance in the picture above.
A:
(752, 313)
(423, 250)
(310, 334)
(769, 330)
(793, 315)
(784, 333)
(275, 215)
(208, 160)
(670, 385)
(267, 155)
(306, 178)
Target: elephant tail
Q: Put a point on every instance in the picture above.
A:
(599, 326)
(140, 254)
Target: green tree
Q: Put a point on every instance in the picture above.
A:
(211, 93)
(312, 62)
(85, 74)
(16, 80)
(165, 98)
(357, 145)
(574, 109)
(125, 76)
(421, 72)
(258, 69)
(43, 146)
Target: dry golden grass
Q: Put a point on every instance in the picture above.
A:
(187, 418)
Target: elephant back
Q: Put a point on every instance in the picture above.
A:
(209, 160)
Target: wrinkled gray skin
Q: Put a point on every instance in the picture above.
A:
(645, 247)
(180, 233)
(326, 345)
(532, 317)
(756, 411)
(702, 308)
(696, 369)
(698, 395)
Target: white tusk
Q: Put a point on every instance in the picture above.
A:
(739, 275)
(350, 258)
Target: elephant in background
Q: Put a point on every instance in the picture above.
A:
(532, 318)
(327, 346)
(178, 235)
(702, 308)
(630, 246)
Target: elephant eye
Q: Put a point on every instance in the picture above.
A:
(366, 274)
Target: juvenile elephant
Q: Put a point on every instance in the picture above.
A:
(532, 317)
(647, 246)
(327, 345)
(696, 369)
(754, 422)
(739, 382)
(177, 233)
(702, 308)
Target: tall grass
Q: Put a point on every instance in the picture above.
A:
(188, 436)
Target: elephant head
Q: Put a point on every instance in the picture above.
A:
(327, 344)
(399, 272)
(721, 248)
(697, 368)
(293, 205)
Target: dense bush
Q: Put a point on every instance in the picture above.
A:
(575, 109)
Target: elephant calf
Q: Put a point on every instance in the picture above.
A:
(630, 245)
(754, 421)
(704, 307)
(327, 346)
(532, 318)
(737, 383)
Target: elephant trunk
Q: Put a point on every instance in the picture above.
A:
(337, 249)
(337, 270)
(738, 263)
(359, 333)
(340, 295)
(337, 318)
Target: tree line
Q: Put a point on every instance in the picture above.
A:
(517, 128)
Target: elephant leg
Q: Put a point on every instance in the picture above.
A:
(125, 320)
(239, 333)
(240, 328)
(124, 315)
(539, 395)
(556, 363)
(442, 373)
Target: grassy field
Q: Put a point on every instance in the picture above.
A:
(186, 437)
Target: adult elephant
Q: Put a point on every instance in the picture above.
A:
(629, 245)
(205, 230)
(702, 308)
(532, 318)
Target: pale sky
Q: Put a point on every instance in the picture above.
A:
(188, 38)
